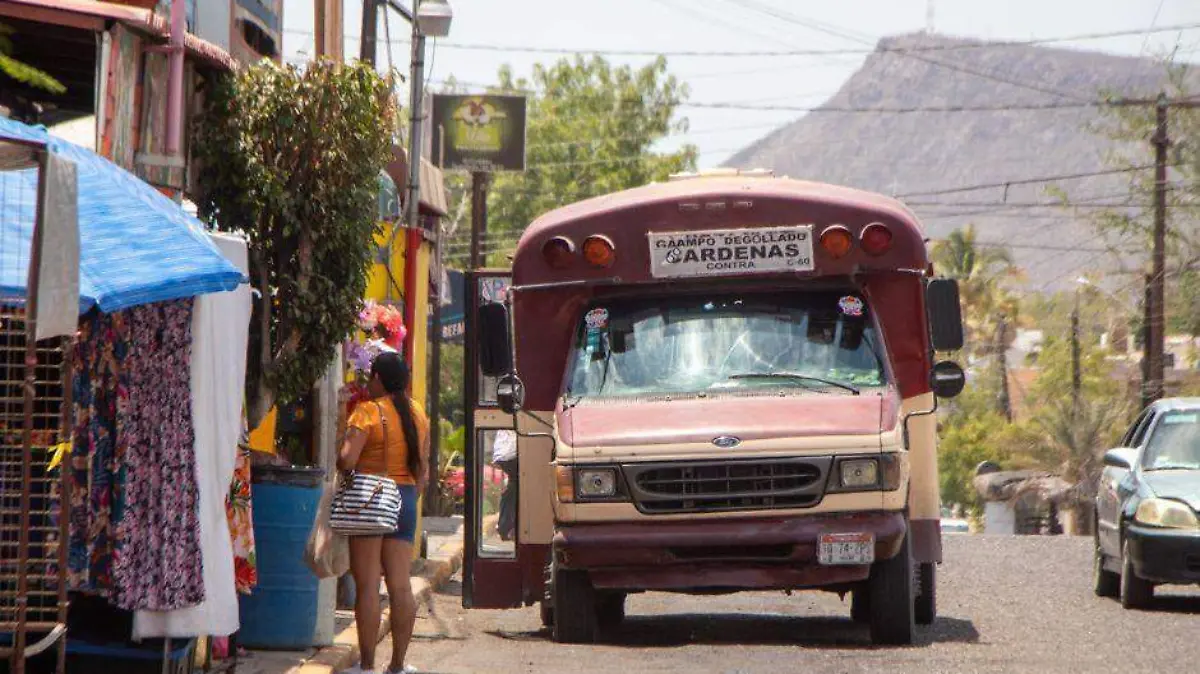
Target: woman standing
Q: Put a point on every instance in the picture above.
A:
(387, 435)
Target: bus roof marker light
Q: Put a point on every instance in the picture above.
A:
(836, 241)
(558, 252)
(876, 238)
(599, 251)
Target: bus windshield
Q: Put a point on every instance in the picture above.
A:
(820, 342)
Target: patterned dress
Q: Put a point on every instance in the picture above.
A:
(134, 522)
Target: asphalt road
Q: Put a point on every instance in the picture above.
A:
(1007, 604)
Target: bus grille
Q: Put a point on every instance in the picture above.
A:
(722, 486)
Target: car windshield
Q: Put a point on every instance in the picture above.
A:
(1175, 443)
(818, 342)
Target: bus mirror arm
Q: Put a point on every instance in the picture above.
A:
(921, 413)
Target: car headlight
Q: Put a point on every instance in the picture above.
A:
(596, 483)
(859, 473)
(1160, 512)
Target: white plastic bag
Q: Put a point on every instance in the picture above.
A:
(327, 552)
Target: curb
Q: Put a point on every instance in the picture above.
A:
(344, 652)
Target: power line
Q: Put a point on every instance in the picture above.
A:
(1027, 181)
(837, 32)
(569, 51)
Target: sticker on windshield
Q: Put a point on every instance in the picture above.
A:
(851, 305)
(596, 319)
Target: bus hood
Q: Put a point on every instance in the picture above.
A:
(611, 423)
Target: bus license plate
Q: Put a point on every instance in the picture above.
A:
(845, 549)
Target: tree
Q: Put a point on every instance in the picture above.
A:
(1076, 430)
(292, 158)
(591, 129)
(990, 311)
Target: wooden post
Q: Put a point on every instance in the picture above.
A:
(479, 181)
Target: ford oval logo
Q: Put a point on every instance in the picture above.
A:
(726, 441)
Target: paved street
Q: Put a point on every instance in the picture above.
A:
(1008, 604)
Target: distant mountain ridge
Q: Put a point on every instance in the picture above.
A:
(913, 153)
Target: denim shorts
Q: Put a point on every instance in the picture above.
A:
(407, 528)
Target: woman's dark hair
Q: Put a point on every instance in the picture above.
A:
(393, 373)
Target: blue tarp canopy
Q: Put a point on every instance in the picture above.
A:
(136, 246)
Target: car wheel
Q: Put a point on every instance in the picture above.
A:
(610, 610)
(1105, 583)
(1135, 592)
(860, 605)
(925, 608)
(890, 587)
(574, 607)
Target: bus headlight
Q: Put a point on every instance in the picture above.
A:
(878, 472)
(577, 484)
(859, 473)
(596, 483)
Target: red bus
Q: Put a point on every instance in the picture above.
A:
(719, 383)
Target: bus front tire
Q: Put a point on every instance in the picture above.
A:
(890, 588)
(860, 605)
(574, 607)
(610, 610)
(926, 586)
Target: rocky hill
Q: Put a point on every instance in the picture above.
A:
(912, 154)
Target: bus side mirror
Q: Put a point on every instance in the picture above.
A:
(947, 379)
(945, 314)
(495, 347)
(510, 393)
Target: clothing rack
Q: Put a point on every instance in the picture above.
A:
(35, 408)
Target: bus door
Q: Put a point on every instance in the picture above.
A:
(491, 568)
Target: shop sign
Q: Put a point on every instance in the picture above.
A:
(479, 133)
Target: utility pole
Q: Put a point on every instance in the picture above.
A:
(1002, 361)
(1155, 324)
(1154, 354)
(479, 186)
(370, 18)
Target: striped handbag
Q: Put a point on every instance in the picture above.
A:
(365, 504)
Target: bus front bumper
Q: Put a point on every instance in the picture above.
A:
(721, 554)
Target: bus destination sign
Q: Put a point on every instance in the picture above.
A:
(718, 252)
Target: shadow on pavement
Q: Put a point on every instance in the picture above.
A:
(669, 631)
(1187, 604)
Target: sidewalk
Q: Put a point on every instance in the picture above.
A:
(443, 560)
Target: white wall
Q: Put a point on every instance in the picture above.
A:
(999, 518)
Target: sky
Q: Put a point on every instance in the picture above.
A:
(741, 26)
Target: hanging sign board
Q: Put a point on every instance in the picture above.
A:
(719, 252)
(479, 133)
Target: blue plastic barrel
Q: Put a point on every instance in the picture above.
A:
(281, 611)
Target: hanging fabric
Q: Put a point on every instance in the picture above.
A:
(241, 525)
(158, 564)
(218, 340)
(134, 534)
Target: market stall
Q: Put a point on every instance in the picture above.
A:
(150, 410)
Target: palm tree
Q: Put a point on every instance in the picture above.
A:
(980, 270)
(989, 310)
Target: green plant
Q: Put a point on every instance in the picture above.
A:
(291, 157)
(23, 72)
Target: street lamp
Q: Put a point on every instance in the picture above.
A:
(433, 17)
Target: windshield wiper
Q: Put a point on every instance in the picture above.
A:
(798, 377)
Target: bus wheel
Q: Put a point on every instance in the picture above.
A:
(860, 605)
(546, 605)
(574, 607)
(610, 609)
(926, 587)
(891, 596)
